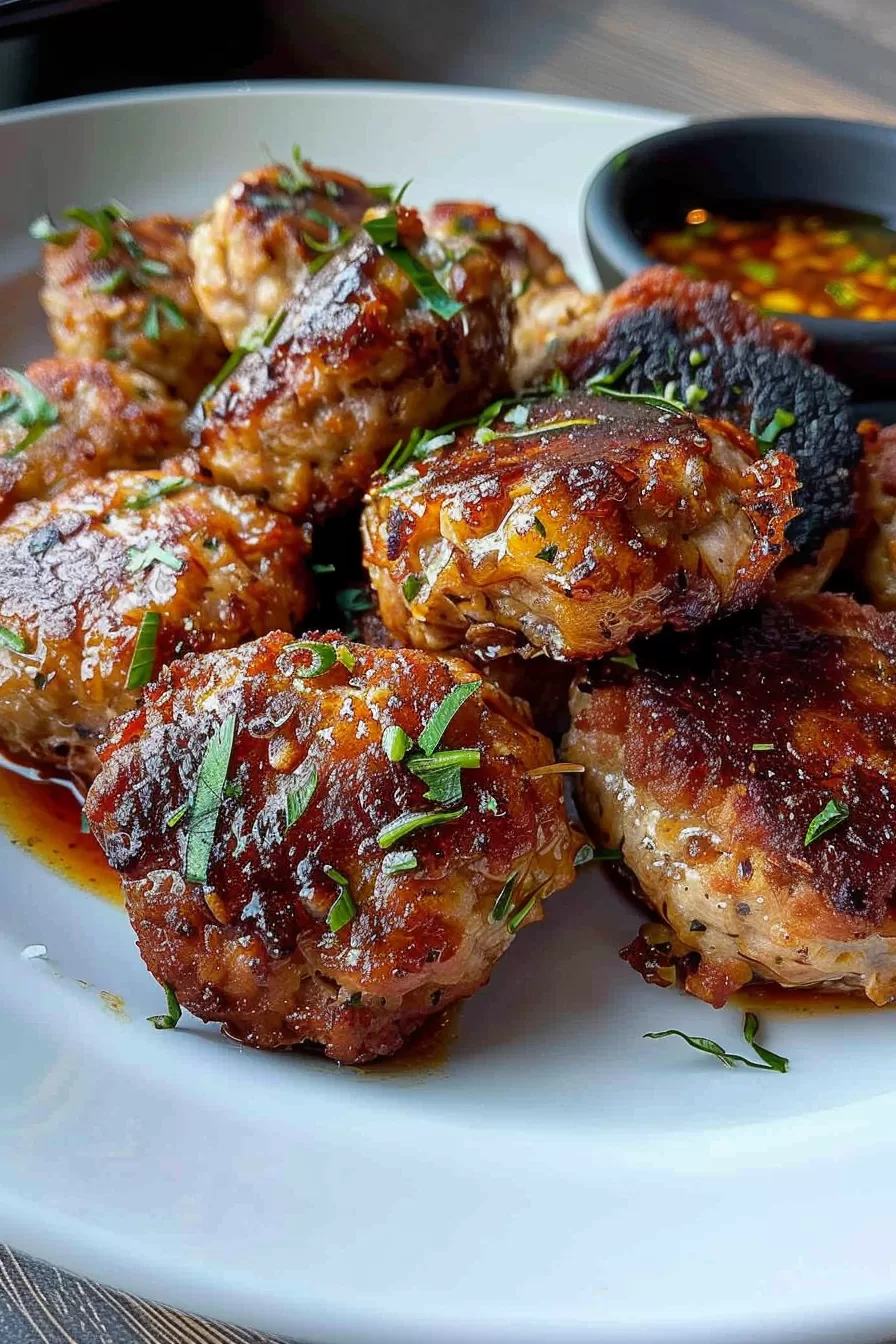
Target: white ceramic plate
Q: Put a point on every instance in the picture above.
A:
(558, 1178)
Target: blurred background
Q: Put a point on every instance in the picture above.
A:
(702, 57)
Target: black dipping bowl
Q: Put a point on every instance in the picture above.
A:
(717, 165)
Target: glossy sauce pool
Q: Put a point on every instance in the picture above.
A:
(43, 817)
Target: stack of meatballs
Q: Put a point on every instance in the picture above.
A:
(606, 520)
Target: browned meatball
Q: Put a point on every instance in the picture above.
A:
(592, 522)
(747, 774)
(260, 238)
(102, 585)
(95, 416)
(123, 290)
(524, 254)
(359, 360)
(315, 889)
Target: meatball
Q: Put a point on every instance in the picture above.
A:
(92, 416)
(873, 555)
(359, 360)
(297, 869)
(747, 775)
(110, 579)
(123, 290)
(706, 347)
(591, 523)
(260, 238)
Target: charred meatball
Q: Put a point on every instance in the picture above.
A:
(122, 290)
(94, 416)
(359, 360)
(747, 774)
(105, 583)
(590, 523)
(692, 338)
(873, 554)
(322, 887)
(256, 245)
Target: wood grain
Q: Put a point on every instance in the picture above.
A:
(703, 57)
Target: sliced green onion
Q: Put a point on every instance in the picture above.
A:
(399, 861)
(519, 915)
(383, 230)
(167, 1021)
(343, 909)
(143, 558)
(441, 717)
(609, 379)
(297, 799)
(32, 411)
(143, 659)
(45, 231)
(502, 904)
(10, 640)
(780, 421)
(207, 799)
(409, 822)
(323, 657)
(832, 814)
(763, 272)
(411, 587)
(548, 553)
(395, 742)
(694, 395)
(159, 489)
(178, 815)
(625, 659)
(696, 358)
(111, 283)
(763, 746)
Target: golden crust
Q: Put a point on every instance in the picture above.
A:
(873, 553)
(250, 947)
(252, 251)
(70, 590)
(358, 362)
(110, 417)
(615, 519)
(714, 829)
(86, 323)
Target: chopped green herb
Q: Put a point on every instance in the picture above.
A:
(860, 262)
(411, 587)
(41, 681)
(114, 354)
(607, 855)
(548, 553)
(345, 657)
(352, 600)
(611, 378)
(665, 403)
(763, 272)
(45, 231)
(143, 558)
(10, 640)
(159, 489)
(343, 909)
(441, 772)
(694, 396)
(384, 192)
(519, 915)
(207, 799)
(100, 221)
(436, 298)
(399, 861)
(297, 799)
(295, 179)
(584, 854)
(539, 526)
(443, 714)
(177, 816)
(777, 1063)
(167, 1021)
(323, 569)
(85, 824)
(162, 309)
(29, 408)
(409, 822)
(832, 814)
(621, 159)
(489, 803)
(843, 293)
(517, 415)
(626, 659)
(143, 659)
(772, 1063)
(383, 230)
(111, 283)
(696, 358)
(395, 742)
(780, 421)
(323, 657)
(502, 904)
(763, 746)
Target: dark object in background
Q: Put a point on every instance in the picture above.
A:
(720, 165)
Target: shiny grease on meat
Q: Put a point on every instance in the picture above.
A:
(711, 765)
(593, 522)
(257, 941)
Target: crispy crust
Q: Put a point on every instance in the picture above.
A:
(250, 947)
(358, 362)
(579, 538)
(873, 552)
(66, 589)
(715, 831)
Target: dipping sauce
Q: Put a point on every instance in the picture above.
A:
(791, 259)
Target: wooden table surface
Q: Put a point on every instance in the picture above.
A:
(704, 57)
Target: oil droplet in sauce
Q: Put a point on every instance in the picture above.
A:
(43, 817)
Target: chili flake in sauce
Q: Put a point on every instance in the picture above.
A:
(824, 263)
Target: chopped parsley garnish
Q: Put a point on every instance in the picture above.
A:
(409, 822)
(611, 378)
(411, 587)
(343, 909)
(29, 408)
(485, 435)
(10, 640)
(520, 914)
(143, 659)
(832, 814)
(625, 659)
(45, 231)
(111, 283)
(763, 746)
(399, 861)
(548, 553)
(297, 799)
(395, 742)
(323, 657)
(167, 1021)
(207, 799)
(140, 558)
(384, 232)
(772, 1063)
(502, 904)
(780, 421)
(100, 221)
(162, 309)
(149, 266)
(295, 179)
(166, 485)
(441, 772)
(438, 722)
